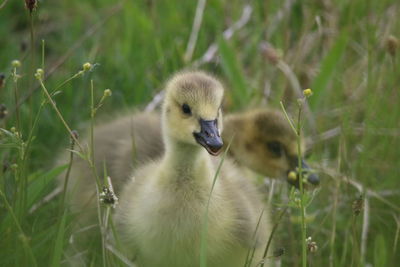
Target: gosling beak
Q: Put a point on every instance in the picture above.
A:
(209, 136)
(308, 176)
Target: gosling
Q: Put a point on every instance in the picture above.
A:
(265, 143)
(161, 210)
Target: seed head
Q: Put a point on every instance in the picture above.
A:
(15, 63)
(358, 205)
(270, 53)
(392, 44)
(311, 245)
(75, 134)
(31, 5)
(307, 92)
(87, 66)
(73, 137)
(107, 196)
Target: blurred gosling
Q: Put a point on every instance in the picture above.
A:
(265, 143)
(161, 210)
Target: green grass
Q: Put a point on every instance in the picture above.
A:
(337, 48)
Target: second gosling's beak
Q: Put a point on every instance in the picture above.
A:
(209, 136)
(308, 176)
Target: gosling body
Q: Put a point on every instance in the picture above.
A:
(162, 207)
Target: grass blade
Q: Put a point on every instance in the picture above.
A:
(58, 246)
(230, 65)
(203, 238)
(327, 69)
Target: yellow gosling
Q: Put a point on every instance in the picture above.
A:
(162, 206)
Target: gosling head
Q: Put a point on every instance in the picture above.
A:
(268, 145)
(192, 110)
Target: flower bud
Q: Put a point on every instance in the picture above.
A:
(292, 176)
(87, 66)
(39, 74)
(107, 92)
(307, 92)
(16, 63)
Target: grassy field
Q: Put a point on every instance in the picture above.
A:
(348, 52)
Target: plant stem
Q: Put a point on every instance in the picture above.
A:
(59, 114)
(334, 209)
(18, 125)
(32, 54)
(66, 81)
(22, 236)
(355, 257)
(71, 159)
(272, 235)
(93, 168)
(297, 131)
(302, 207)
(288, 118)
(43, 43)
(251, 252)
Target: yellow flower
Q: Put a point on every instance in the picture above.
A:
(307, 92)
(87, 66)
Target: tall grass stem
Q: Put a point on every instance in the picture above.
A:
(203, 241)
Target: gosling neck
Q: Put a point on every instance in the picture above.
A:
(186, 161)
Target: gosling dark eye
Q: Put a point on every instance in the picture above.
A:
(186, 109)
(275, 147)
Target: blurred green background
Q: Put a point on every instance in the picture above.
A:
(346, 51)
